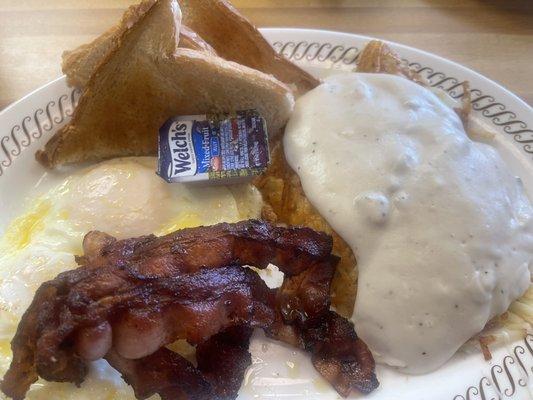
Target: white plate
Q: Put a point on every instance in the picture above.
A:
(279, 371)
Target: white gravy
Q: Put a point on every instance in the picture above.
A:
(443, 233)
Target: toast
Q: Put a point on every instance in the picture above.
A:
(209, 25)
(79, 64)
(146, 79)
(236, 39)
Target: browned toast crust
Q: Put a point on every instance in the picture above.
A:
(142, 82)
(235, 38)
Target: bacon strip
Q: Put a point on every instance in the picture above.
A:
(147, 292)
(222, 362)
(339, 355)
(163, 372)
(192, 306)
(250, 242)
(224, 358)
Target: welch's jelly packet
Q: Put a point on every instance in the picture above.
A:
(213, 147)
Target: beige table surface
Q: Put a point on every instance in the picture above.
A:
(494, 38)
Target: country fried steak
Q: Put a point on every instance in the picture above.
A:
(130, 298)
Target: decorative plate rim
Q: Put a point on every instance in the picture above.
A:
(56, 111)
(442, 59)
(488, 106)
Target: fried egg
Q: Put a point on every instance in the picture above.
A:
(122, 197)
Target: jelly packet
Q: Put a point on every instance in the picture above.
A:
(219, 148)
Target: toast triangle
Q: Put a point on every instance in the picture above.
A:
(210, 25)
(235, 38)
(79, 64)
(143, 82)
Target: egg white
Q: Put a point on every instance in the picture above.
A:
(122, 197)
(125, 198)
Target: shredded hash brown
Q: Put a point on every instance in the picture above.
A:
(283, 193)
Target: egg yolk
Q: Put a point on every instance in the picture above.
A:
(20, 232)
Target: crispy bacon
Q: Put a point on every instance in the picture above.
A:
(222, 362)
(191, 306)
(245, 243)
(339, 355)
(163, 372)
(129, 298)
(224, 358)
